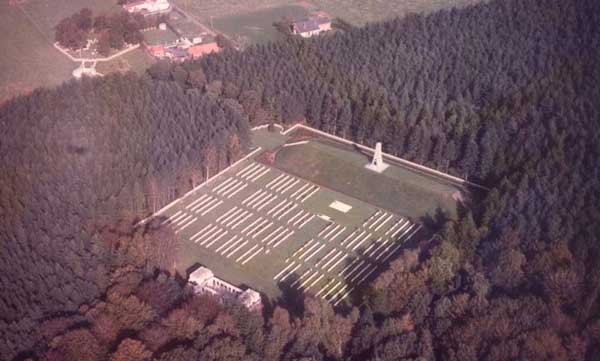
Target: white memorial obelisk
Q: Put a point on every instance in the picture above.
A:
(377, 164)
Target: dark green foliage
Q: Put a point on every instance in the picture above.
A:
(72, 32)
(83, 156)
(505, 93)
(111, 31)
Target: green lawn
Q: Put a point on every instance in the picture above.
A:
(268, 140)
(159, 37)
(397, 189)
(258, 226)
(137, 60)
(358, 12)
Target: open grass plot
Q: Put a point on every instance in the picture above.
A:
(271, 230)
(341, 168)
(357, 12)
(29, 60)
(314, 221)
(257, 25)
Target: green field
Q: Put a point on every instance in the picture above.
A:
(47, 13)
(358, 12)
(137, 60)
(397, 189)
(186, 26)
(29, 60)
(257, 26)
(159, 37)
(313, 221)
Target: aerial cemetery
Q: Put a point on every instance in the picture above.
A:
(274, 226)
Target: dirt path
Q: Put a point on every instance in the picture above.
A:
(194, 20)
(114, 56)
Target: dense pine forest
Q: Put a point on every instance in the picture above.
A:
(504, 93)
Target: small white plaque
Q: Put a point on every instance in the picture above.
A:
(339, 206)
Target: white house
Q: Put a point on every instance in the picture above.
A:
(204, 281)
(311, 26)
(148, 7)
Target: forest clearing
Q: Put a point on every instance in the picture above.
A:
(282, 221)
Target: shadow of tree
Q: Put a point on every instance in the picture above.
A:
(291, 296)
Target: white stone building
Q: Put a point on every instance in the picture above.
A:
(204, 281)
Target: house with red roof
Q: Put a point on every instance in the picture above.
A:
(199, 50)
(156, 50)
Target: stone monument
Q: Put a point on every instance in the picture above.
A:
(377, 164)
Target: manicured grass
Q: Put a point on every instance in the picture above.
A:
(396, 189)
(159, 37)
(331, 252)
(137, 60)
(268, 140)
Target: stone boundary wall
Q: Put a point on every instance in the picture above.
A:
(405, 162)
(163, 209)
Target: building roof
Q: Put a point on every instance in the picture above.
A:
(203, 49)
(201, 276)
(134, 4)
(177, 52)
(249, 297)
(306, 25)
(323, 20)
(310, 24)
(155, 48)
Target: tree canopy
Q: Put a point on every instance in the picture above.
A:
(505, 93)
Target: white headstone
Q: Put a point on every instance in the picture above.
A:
(377, 164)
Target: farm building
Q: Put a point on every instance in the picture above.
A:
(148, 7)
(157, 51)
(176, 54)
(311, 26)
(200, 50)
(204, 281)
